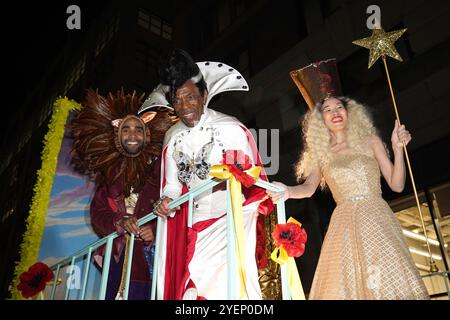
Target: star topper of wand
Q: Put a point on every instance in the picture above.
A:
(380, 44)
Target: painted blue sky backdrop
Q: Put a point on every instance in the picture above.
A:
(67, 226)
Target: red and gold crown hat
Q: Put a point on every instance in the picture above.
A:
(318, 81)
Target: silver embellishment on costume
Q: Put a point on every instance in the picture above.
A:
(190, 166)
(130, 202)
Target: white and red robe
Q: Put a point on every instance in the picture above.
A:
(197, 257)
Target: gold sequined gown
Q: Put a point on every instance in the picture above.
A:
(364, 255)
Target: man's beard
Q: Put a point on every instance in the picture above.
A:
(132, 150)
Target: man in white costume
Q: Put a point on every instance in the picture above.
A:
(193, 261)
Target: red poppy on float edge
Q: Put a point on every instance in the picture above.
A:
(291, 237)
(35, 279)
(237, 162)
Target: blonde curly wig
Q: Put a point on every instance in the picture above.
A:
(316, 137)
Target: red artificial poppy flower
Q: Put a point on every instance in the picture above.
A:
(35, 279)
(237, 161)
(292, 237)
(237, 158)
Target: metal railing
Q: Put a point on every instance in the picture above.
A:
(86, 253)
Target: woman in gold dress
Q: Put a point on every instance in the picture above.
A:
(364, 254)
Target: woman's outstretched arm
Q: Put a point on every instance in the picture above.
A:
(304, 190)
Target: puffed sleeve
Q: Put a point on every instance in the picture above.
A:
(172, 187)
(103, 216)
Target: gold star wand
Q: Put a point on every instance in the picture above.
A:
(381, 44)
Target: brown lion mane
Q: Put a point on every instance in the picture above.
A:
(94, 152)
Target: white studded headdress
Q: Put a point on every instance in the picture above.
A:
(218, 76)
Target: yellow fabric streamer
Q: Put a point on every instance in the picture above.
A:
(30, 246)
(280, 256)
(222, 172)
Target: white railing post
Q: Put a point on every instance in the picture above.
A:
(86, 274)
(281, 218)
(55, 282)
(190, 210)
(155, 259)
(72, 263)
(105, 269)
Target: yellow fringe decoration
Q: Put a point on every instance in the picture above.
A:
(31, 243)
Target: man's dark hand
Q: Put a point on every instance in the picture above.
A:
(161, 207)
(146, 234)
(129, 223)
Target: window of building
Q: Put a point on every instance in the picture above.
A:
(146, 57)
(143, 19)
(435, 207)
(228, 11)
(166, 31)
(154, 24)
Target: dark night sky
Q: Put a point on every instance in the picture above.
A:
(33, 34)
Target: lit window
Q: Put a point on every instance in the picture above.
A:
(155, 24)
(167, 32)
(143, 19)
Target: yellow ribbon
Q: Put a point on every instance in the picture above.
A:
(222, 172)
(280, 256)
